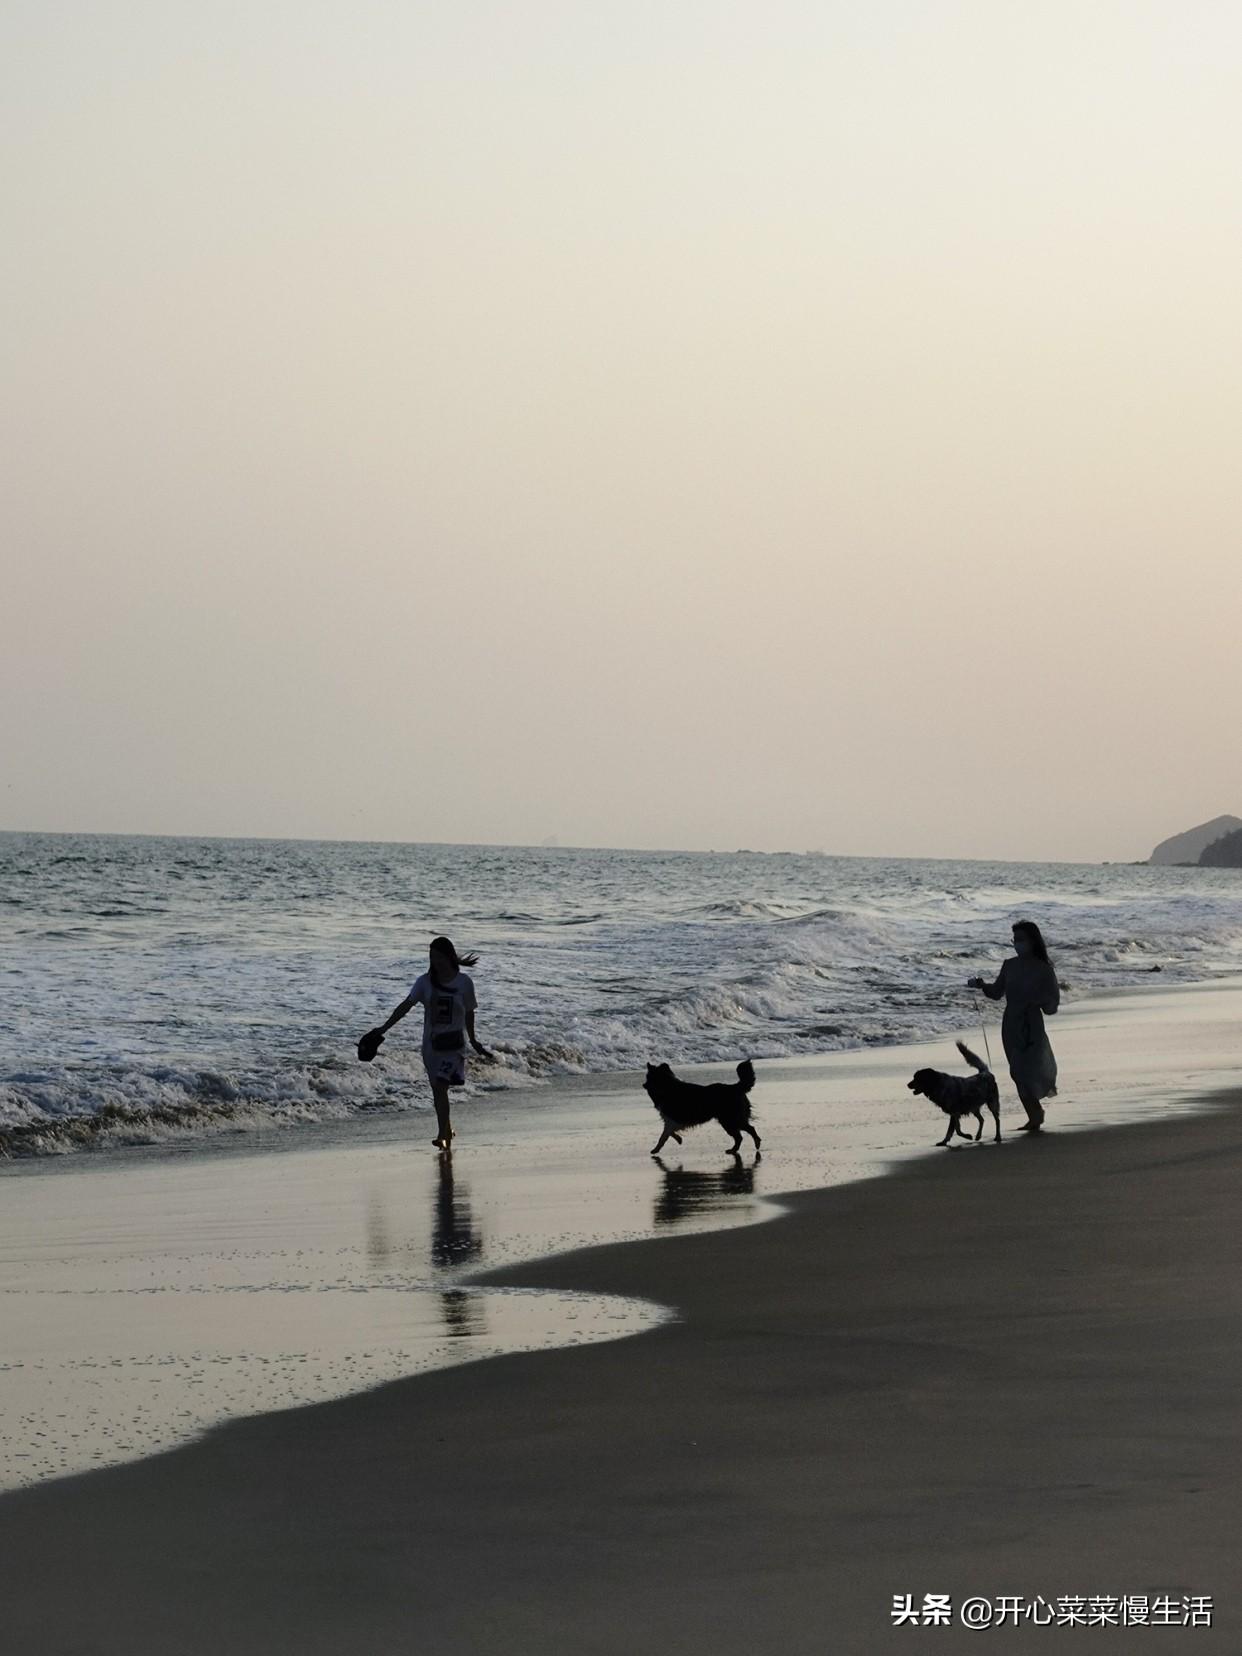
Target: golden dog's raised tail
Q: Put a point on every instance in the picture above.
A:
(972, 1060)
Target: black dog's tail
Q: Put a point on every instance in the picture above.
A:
(746, 1075)
(975, 1063)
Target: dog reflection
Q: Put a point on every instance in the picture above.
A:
(688, 1193)
(455, 1241)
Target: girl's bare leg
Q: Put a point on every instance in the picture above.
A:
(1034, 1112)
(444, 1134)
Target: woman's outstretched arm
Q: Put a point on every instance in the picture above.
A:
(994, 991)
(397, 1014)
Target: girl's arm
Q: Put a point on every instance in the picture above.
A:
(1052, 999)
(397, 1015)
(994, 991)
(473, 1038)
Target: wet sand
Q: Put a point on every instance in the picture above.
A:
(993, 1372)
(148, 1295)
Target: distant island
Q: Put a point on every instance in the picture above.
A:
(1190, 846)
(1225, 852)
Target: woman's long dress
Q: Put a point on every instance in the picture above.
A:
(1028, 986)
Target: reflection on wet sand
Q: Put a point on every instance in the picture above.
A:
(693, 1193)
(455, 1241)
(379, 1237)
(455, 1238)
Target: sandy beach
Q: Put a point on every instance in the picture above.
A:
(991, 1372)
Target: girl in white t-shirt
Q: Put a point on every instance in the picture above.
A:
(447, 998)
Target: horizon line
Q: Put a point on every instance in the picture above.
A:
(522, 845)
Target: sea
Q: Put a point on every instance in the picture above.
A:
(163, 989)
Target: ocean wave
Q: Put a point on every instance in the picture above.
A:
(54, 1111)
(119, 1124)
(735, 908)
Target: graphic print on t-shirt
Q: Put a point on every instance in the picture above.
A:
(446, 1008)
(443, 1009)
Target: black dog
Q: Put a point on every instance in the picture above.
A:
(683, 1104)
(961, 1095)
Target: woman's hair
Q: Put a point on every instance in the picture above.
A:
(1029, 930)
(444, 946)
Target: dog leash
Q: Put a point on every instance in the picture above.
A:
(979, 1013)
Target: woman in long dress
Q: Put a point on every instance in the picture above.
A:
(1028, 986)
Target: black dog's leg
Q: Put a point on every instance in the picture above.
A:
(996, 1119)
(747, 1128)
(979, 1119)
(949, 1131)
(667, 1134)
(959, 1129)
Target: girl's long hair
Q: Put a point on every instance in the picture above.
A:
(444, 946)
(1031, 931)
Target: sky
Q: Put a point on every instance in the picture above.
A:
(791, 424)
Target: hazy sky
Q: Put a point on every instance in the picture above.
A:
(646, 422)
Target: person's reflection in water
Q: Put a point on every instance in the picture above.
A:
(690, 1193)
(380, 1246)
(455, 1241)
